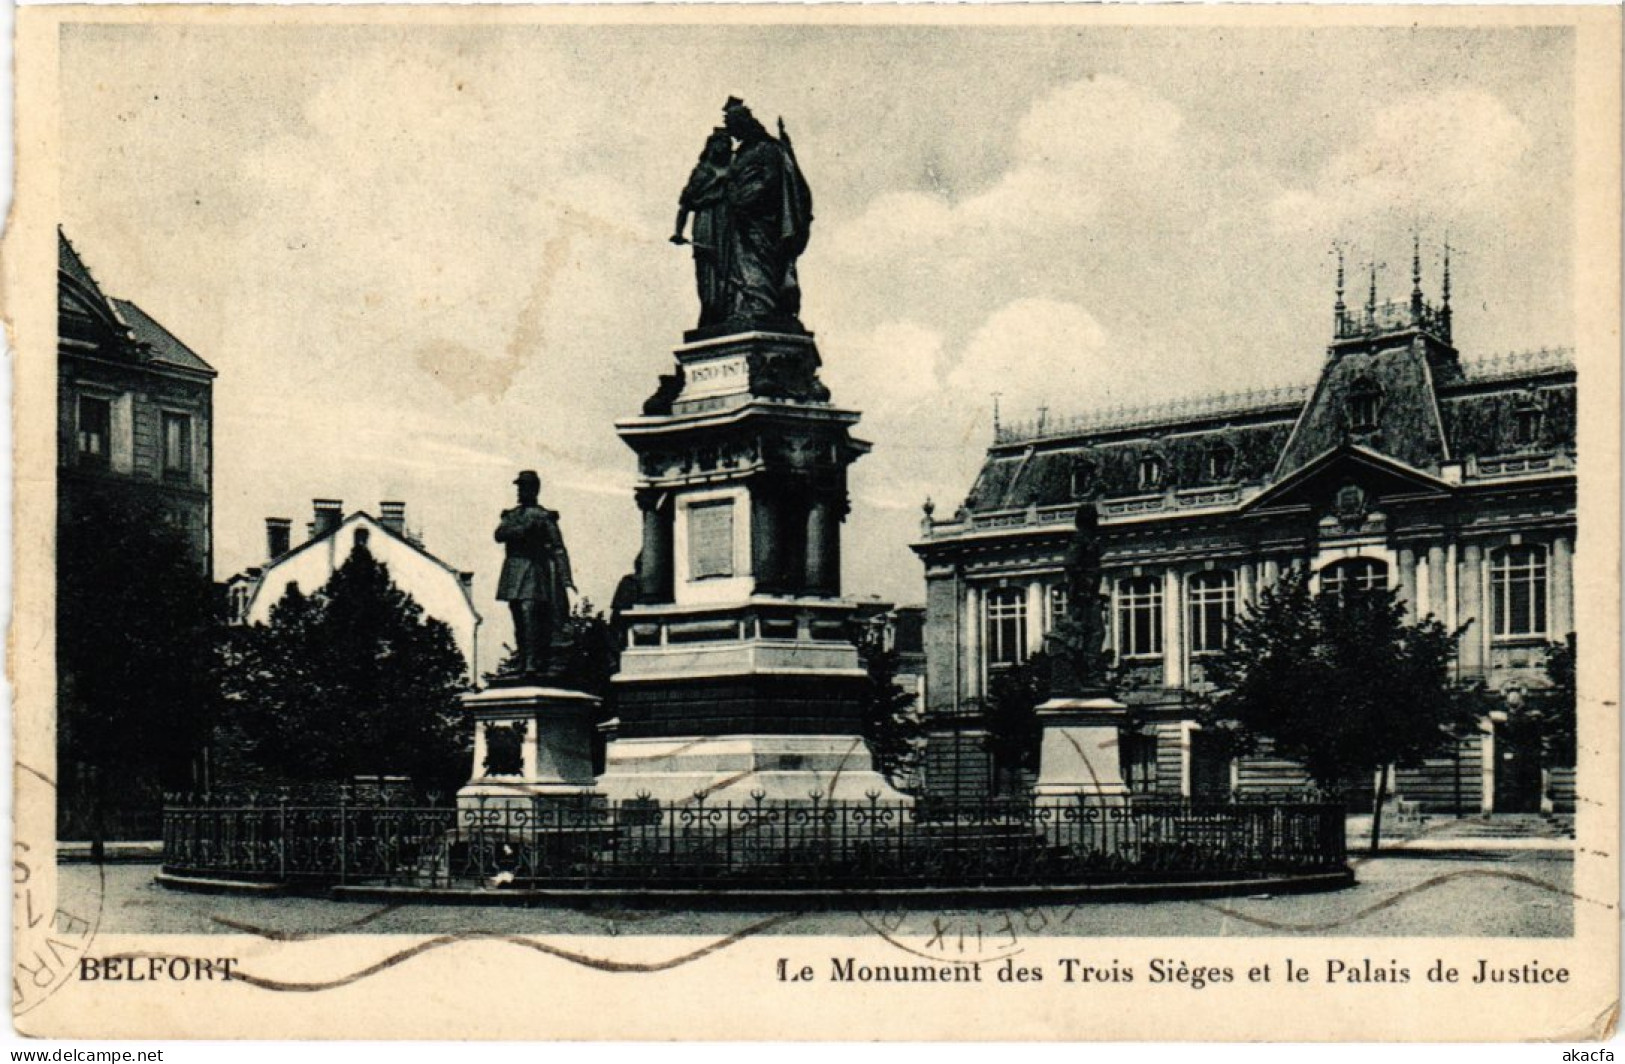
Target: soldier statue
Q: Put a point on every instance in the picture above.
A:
(535, 583)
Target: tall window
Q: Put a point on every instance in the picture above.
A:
(1006, 626)
(1058, 603)
(177, 443)
(1139, 616)
(95, 430)
(1221, 459)
(1354, 576)
(711, 539)
(1212, 599)
(1518, 590)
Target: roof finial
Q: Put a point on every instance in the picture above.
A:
(996, 412)
(1371, 298)
(1447, 271)
(1444, 309)
(1416, 277)
(1339, 309)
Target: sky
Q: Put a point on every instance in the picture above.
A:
(425, 257)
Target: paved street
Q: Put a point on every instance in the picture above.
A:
(1444, 893)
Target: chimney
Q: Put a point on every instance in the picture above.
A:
(278, 537)
(329, 512)
(392, 515)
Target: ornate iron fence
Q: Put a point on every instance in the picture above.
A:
(758, 844)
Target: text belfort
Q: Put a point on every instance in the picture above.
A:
(155, 969)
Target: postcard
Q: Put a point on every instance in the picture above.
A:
(816, 523)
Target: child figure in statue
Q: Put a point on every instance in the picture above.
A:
(705, 200)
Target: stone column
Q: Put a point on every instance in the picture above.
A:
(1271, 572)
(1469, 586)
(1437, 583)
(1037, 616)
(527, 749)
(1246, 586)
(1173, 629)
(973, 643)
(1560, 582)
(767, 559)
(823, 549)
(654, 566)
(1407, 583)
(479, 749)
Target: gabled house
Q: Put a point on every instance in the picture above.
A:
(444, 592)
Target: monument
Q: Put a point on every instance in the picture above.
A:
(532, 737)
(1081, 749)
(739, 677)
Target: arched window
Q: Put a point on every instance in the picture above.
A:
(1518, 590)
(1364, 404)
(1006, 613)
(1221, 461)
(1212, 600)
(1354, 576)
(1139, 617)
(1151, 472)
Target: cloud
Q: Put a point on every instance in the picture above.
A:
(1032, 352)
(1077, 149)
(1458, 150)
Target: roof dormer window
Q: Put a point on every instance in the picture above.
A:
(1364, 405)
(1152, 472)
(1527, 421)
(1084, 474)
(1221, 461)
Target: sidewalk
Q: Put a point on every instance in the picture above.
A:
(1443, 833)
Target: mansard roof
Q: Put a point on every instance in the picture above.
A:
(1430, 415)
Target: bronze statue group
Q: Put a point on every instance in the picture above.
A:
(749, 212)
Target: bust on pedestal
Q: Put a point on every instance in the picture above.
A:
(532, 738)
(1081, 752)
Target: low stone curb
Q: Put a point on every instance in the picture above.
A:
(812, 897)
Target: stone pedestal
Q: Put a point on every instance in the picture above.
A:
(738, 768)
(555, 747)
(1081, 753)
(739, 676)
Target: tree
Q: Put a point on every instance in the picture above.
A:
(892, 729)
(136, 630)
(1546, 717)
(351, 680)
(1342, 684)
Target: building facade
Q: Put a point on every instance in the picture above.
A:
(135, 410)
(1403, 466)
(445, 593)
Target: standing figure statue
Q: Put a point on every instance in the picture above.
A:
(770, 209)
(1077, 654)
(705, 199)
(535, 582)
